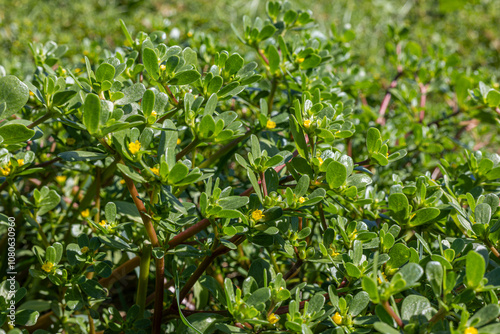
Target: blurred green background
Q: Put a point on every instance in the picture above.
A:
(469, 28)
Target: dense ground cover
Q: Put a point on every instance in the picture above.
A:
(265, 168)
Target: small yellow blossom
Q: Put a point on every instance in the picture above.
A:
(85, 213)
(257, 215)
(337, 319)
(154, 113)
(84, 249)
(122, 181)
(5, 171)
(163, 67)
(471, 330)
(300, 60)
(270, 124)
(32, 94)
(134, 147)
(384, 276)
(302, 200)
(178, 141)
(47, 266)
(387, 154)
(316, 213)
(272, 318)
(339, 83)
(320, 161)
(70, 141)
(78, 70)
(61, 178)
(63, 71)
(333, 252)
(103, 223)
(307, 123)
(190, 34)
(155, 171)
(20, 162)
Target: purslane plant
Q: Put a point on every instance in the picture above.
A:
(166, 189)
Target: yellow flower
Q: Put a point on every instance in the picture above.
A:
(300, 60)
(163, 67)
(122, 181)
(20, 162)
(61, 178)
(302, 200)
(78, 70)
(134, 147)
(103, 223)
(387, 154)
(190, 34)
(155, 171)
(47, 266)
(337, 319)
(384, 276)
(84, 249)
(32, 94)
(178, 141)
(272, 318)
(257, 215)
(316, 213)
(333, 252)
(85, 213)
(307, 123)
(270, 124)
(320, 161)
(471, 330)
(70, 141)
(154, 113)
(5, 171)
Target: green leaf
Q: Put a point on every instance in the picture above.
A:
(336, 174)
(81, 156)
(14, 93)
(259, 296)
(131, 173)
(398, 204)
(92, 113)
(411, 273)
(298, 136)
(424, 215)
(185, 77)
(177, 173)
(62, 97)
(274, 58)
(359, 303)
(148, 102)
(434, 272)
(483, 213)
(105, 72)
(233, 202)
(485, 315)
(131, 94)
(110, 212)
(215, 85)
(474, 269)
(15, 133)
(311, 61)
(233, 64)
(370, 286)
(493, 98)
(150, 60)
(399, 255)
(414, 306)
(266, 32)
(302, 186)
(372, 138)
(384, 328)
